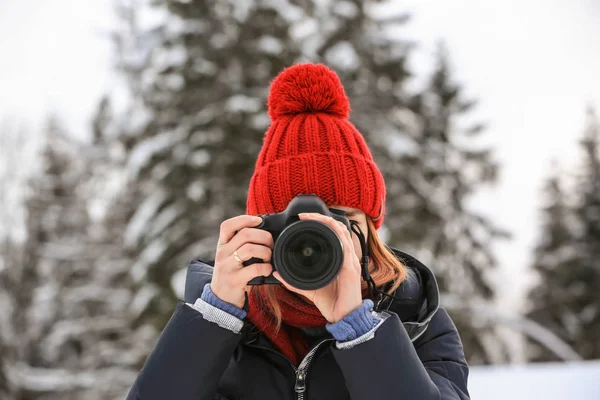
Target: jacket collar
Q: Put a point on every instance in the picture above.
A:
(417, 299)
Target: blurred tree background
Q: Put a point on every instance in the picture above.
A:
(112, 223)
(566, 298)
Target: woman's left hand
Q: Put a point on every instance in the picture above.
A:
(344, 294)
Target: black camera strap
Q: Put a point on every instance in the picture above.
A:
(377, 295)
(364, 262)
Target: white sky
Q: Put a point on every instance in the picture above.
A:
(54, 57)
(533, 66)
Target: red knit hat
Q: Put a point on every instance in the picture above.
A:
(312, 148)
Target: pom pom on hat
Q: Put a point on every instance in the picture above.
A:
(306, 88)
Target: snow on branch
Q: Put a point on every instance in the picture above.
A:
(57, 380)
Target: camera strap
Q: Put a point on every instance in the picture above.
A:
(375, 294)
(364, 263)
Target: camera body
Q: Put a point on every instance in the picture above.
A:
(308, 254)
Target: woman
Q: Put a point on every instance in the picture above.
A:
(278, 342)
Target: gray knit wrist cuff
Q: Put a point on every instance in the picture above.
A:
(218, 316)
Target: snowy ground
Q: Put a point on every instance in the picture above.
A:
(571, 381)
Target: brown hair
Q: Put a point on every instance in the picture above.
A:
(384, 267)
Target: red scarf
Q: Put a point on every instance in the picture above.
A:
(296, 313)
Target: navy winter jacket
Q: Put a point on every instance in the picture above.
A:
(415, 354)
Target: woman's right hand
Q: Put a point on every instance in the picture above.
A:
(230, 277)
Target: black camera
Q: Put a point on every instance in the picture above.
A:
(308, 254)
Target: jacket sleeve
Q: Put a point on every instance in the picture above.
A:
(389, 366)
(188, 360)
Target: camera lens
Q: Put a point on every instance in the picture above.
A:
(308, 254)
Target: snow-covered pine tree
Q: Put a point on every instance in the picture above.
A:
(584, 277)
(435, 184)
(199, 77)
(554, 256)
(565, 299)
(111, 202)
(70, 332)
(55, 222)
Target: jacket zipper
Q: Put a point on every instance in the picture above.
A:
(302, 370)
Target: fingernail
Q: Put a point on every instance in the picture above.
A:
(257, 219)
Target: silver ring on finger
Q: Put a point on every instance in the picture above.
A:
(237, 258)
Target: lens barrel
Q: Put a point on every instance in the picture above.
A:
(308, 255)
